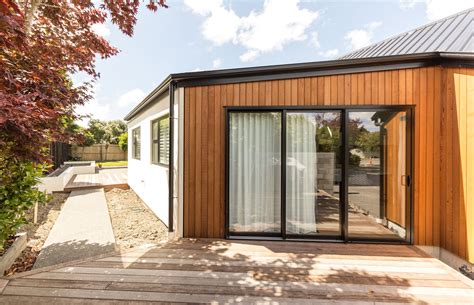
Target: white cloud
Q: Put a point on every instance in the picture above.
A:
(360, 38)
(203, 7)
(275, 25)
(329, 53)
(408, 4)
(314, 41)
(95, 107)
(221, 24)
(373, 25)
(216, 63)
(437, 9)
(132, 97)
(249, 55)
(101, 29)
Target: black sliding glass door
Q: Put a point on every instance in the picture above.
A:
(255, 173)
(313, 174)
(378, 174)
(340, 174)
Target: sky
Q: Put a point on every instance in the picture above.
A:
(197, 35)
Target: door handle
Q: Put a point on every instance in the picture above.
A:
(406, 180)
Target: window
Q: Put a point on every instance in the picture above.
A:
(160, 136)
(339, 174)
(136, 143)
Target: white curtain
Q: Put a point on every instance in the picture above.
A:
(255, 172)
(301, 174)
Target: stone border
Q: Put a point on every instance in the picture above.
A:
(9, 257)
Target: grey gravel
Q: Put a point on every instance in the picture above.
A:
(132, 222)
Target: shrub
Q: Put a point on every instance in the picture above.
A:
(354, 159)
(18, 193)
(123, 141)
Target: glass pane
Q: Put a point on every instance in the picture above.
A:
(154, 152)
(136, 143)
(164, 140)
(255, 172)
(378, 174)
(154, 130)
(313, 173)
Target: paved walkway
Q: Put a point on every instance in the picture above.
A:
(83, 229)
(231, 272)
(103, 178)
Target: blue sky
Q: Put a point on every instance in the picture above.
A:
(194, 35)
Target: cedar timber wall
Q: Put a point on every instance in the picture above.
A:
(444, 140)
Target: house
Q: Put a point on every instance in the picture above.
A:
(376, 146)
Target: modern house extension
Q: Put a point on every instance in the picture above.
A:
(377, 146)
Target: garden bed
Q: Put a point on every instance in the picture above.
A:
(37, 232)
(57, 180)
(133, 223)
(12, 249)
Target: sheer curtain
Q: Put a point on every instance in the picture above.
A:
(301, 174)
(255, 172)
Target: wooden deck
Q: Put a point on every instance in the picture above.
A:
(222, 272)
(104, 178)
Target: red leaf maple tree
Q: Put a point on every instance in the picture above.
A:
(43, 43)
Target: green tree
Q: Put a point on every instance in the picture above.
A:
(42, 44)
(113, 130)
(369, 143)
(97, 129)
(123, 141)
(106, 132)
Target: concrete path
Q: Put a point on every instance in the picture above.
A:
(83, 229)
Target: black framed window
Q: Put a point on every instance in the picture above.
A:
(346, 173)
(160, 138)
(136, 143)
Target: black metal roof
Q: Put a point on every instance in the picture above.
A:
(453, 34)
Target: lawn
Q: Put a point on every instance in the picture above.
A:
(113, 163)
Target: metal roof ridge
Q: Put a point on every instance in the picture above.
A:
(345, 56)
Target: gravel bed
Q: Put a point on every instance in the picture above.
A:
(37, 232)
(133, 223)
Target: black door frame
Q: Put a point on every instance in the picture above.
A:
(343, 193)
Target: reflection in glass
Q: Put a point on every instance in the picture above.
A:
(255, 172)
(313, 146)
(377, 174)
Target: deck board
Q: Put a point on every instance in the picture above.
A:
(222, 271)
(104, 178)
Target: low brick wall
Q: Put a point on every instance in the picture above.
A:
(98, 152)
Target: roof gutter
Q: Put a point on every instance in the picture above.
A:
(310, 69)
(162, 88)
(298, 67)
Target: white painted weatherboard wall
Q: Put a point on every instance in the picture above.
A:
(149, 181)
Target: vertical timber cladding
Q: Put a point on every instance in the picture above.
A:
(443, 133)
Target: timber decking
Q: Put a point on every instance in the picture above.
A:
(222, 271)
(104, 178)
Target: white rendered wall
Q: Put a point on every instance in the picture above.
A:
(149, 181)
